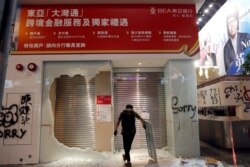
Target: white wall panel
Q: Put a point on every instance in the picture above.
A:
(182, 112)
(22, 89)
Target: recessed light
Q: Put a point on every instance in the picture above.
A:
(206, 11)
(138, 70)
(139, 64)
(196, 63)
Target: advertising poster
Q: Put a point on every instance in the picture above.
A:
(106, 29)
(225, 39)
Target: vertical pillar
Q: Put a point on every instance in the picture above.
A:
(104, 130)
(7, 15)
(182, 112)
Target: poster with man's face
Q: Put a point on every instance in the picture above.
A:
(225, 39)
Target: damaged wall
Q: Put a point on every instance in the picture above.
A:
(51, 149)
(25, 139)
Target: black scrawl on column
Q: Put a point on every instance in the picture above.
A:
(9, 116)
(25, 108)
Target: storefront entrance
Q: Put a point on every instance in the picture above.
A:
(145, 91)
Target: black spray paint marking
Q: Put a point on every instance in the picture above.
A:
(203, 94)
(238, 94)
(12, 133)
(246, 94)
(9, 116)
(185, 108)
(25, 108)
(235, 92)
(214, 95)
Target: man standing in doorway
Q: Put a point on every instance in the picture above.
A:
(127, 117)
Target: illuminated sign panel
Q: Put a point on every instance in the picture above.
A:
(106, 28)
(225, 40)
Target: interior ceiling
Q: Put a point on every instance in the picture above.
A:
(150, 61)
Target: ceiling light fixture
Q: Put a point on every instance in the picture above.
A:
(213, 6)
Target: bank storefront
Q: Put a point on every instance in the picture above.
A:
(66, 84)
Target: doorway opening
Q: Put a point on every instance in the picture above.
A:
(145, 91)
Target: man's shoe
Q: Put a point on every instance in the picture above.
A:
(128, 164)
(123, 156)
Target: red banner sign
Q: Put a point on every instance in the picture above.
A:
(103, 99)
(106, 29)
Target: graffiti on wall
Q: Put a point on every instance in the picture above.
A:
(224, 94)
(234, 92)
(25, 108)
(187, 108)
(210, 95)
(214, 95)
(15, 118)
(238, 94)
(202, 94)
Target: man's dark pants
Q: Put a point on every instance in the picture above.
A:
(128, 138)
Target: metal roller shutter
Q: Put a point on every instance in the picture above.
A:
(74, 111)
(146, 93)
